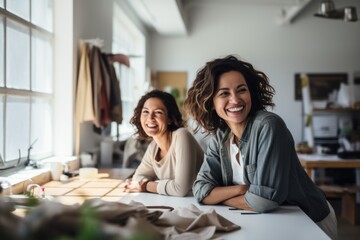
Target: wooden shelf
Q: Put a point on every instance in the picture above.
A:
(336, 110)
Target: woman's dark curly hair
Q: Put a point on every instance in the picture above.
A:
(199, 102)
(173, 112)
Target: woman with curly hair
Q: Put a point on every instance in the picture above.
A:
(250, 162)
(174, 157)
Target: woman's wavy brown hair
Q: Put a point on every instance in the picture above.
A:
(199, 102)
(173, 112)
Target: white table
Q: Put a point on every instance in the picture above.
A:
(287, 222)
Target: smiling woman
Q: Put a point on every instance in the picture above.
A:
(251, 151)
(173, 158)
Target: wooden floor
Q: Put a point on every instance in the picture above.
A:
(346, 231)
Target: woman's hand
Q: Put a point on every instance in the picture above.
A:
(135, 186)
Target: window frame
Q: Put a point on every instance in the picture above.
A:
(8, 167)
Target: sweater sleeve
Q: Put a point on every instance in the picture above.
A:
(187, 154)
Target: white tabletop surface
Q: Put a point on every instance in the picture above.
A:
(287, 222)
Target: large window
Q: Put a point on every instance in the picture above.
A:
(2, 51)
(128, 40)
(26, 81)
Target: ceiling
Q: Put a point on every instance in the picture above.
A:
(166, 17)
(163, 16)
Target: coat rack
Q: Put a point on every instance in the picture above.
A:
(85, 83)
(97, 42)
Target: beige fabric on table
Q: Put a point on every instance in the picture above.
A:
(117, 212)
(115, 220)
(192, 223)
(112, 220)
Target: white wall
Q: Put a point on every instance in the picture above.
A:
(63, 75)
(310, 44)
(218, 28)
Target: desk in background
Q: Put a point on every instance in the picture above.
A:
(311, 161)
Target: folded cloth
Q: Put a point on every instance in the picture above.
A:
(192, 223)
(94, 219)
(117, 212)
(99, 219)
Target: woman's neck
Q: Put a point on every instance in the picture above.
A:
(164, 142)
(237, 130)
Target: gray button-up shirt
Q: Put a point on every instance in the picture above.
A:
(272, 168)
